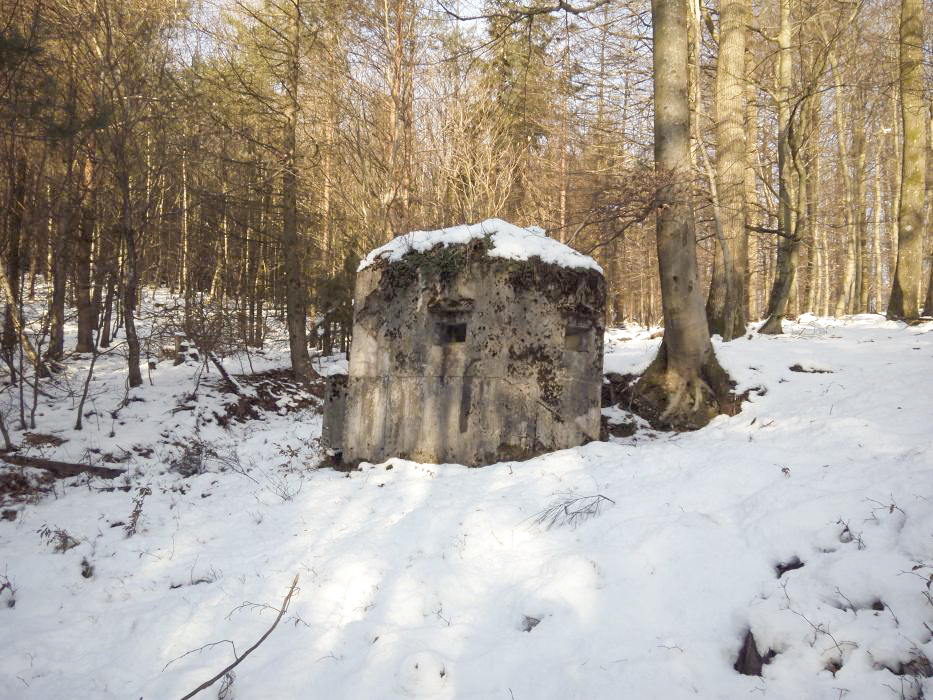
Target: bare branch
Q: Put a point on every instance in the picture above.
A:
(207, 684)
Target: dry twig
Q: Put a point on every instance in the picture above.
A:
(239, 659)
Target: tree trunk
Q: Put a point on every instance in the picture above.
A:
(296, 288)
(684, 387)
(399, 20)
(14, 331)
(812, 204)
(82, 282)
(184, 277)
(876, 235)
(103, 336)
(904, 303)
(928, 305)
(15, 211)
(60, 256)
(788, 245)
(725, 307)
(130, 285)
(860, 302)
(752, 216)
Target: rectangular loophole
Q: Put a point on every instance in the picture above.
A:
(576, 338)
(450, 333)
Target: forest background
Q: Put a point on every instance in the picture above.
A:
(245, 154)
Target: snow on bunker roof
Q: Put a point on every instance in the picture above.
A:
(508, 241)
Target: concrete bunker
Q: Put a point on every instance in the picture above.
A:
(473, 344)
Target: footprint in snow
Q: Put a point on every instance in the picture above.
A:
(422, 674)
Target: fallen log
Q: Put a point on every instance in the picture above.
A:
(62, 469)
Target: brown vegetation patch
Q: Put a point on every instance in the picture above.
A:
(15, 486)
(42, 440)
(276, 390)
(918, 666)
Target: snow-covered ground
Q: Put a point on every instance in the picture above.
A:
(418, 580)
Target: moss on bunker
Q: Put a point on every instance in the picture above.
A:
(442, 263)
(576, 292)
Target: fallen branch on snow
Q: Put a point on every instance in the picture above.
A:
(571, 510)
(207, 684)
(62, 469)
(232, 384)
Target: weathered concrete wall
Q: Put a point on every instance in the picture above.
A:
(335, 411)
(458, 357)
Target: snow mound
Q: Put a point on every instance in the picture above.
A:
(508, 241)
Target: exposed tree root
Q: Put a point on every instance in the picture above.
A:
(772, 326)
(672, 399)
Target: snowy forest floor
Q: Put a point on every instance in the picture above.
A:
(632, 568)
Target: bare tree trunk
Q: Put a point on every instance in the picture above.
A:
(60, 257)
(296, 288)
(12, 263)
(876, 235)
(821, 304)
(788, 245)
(752, 216)
(893, 198)
(130, 284)
(904, 303)
(103, 336)
(928, 304)
(848, 290)
(11, 292)
(725, 307)
(684, 387)
(812, 204)
(860, 301)
(82, 282)
(399, 18)
(327, 195)
(184, 277)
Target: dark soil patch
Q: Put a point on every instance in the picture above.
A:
(529, 623)
(809, 370)
(750, 661)
(620, 430)
(617, 390)
(791, 564)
